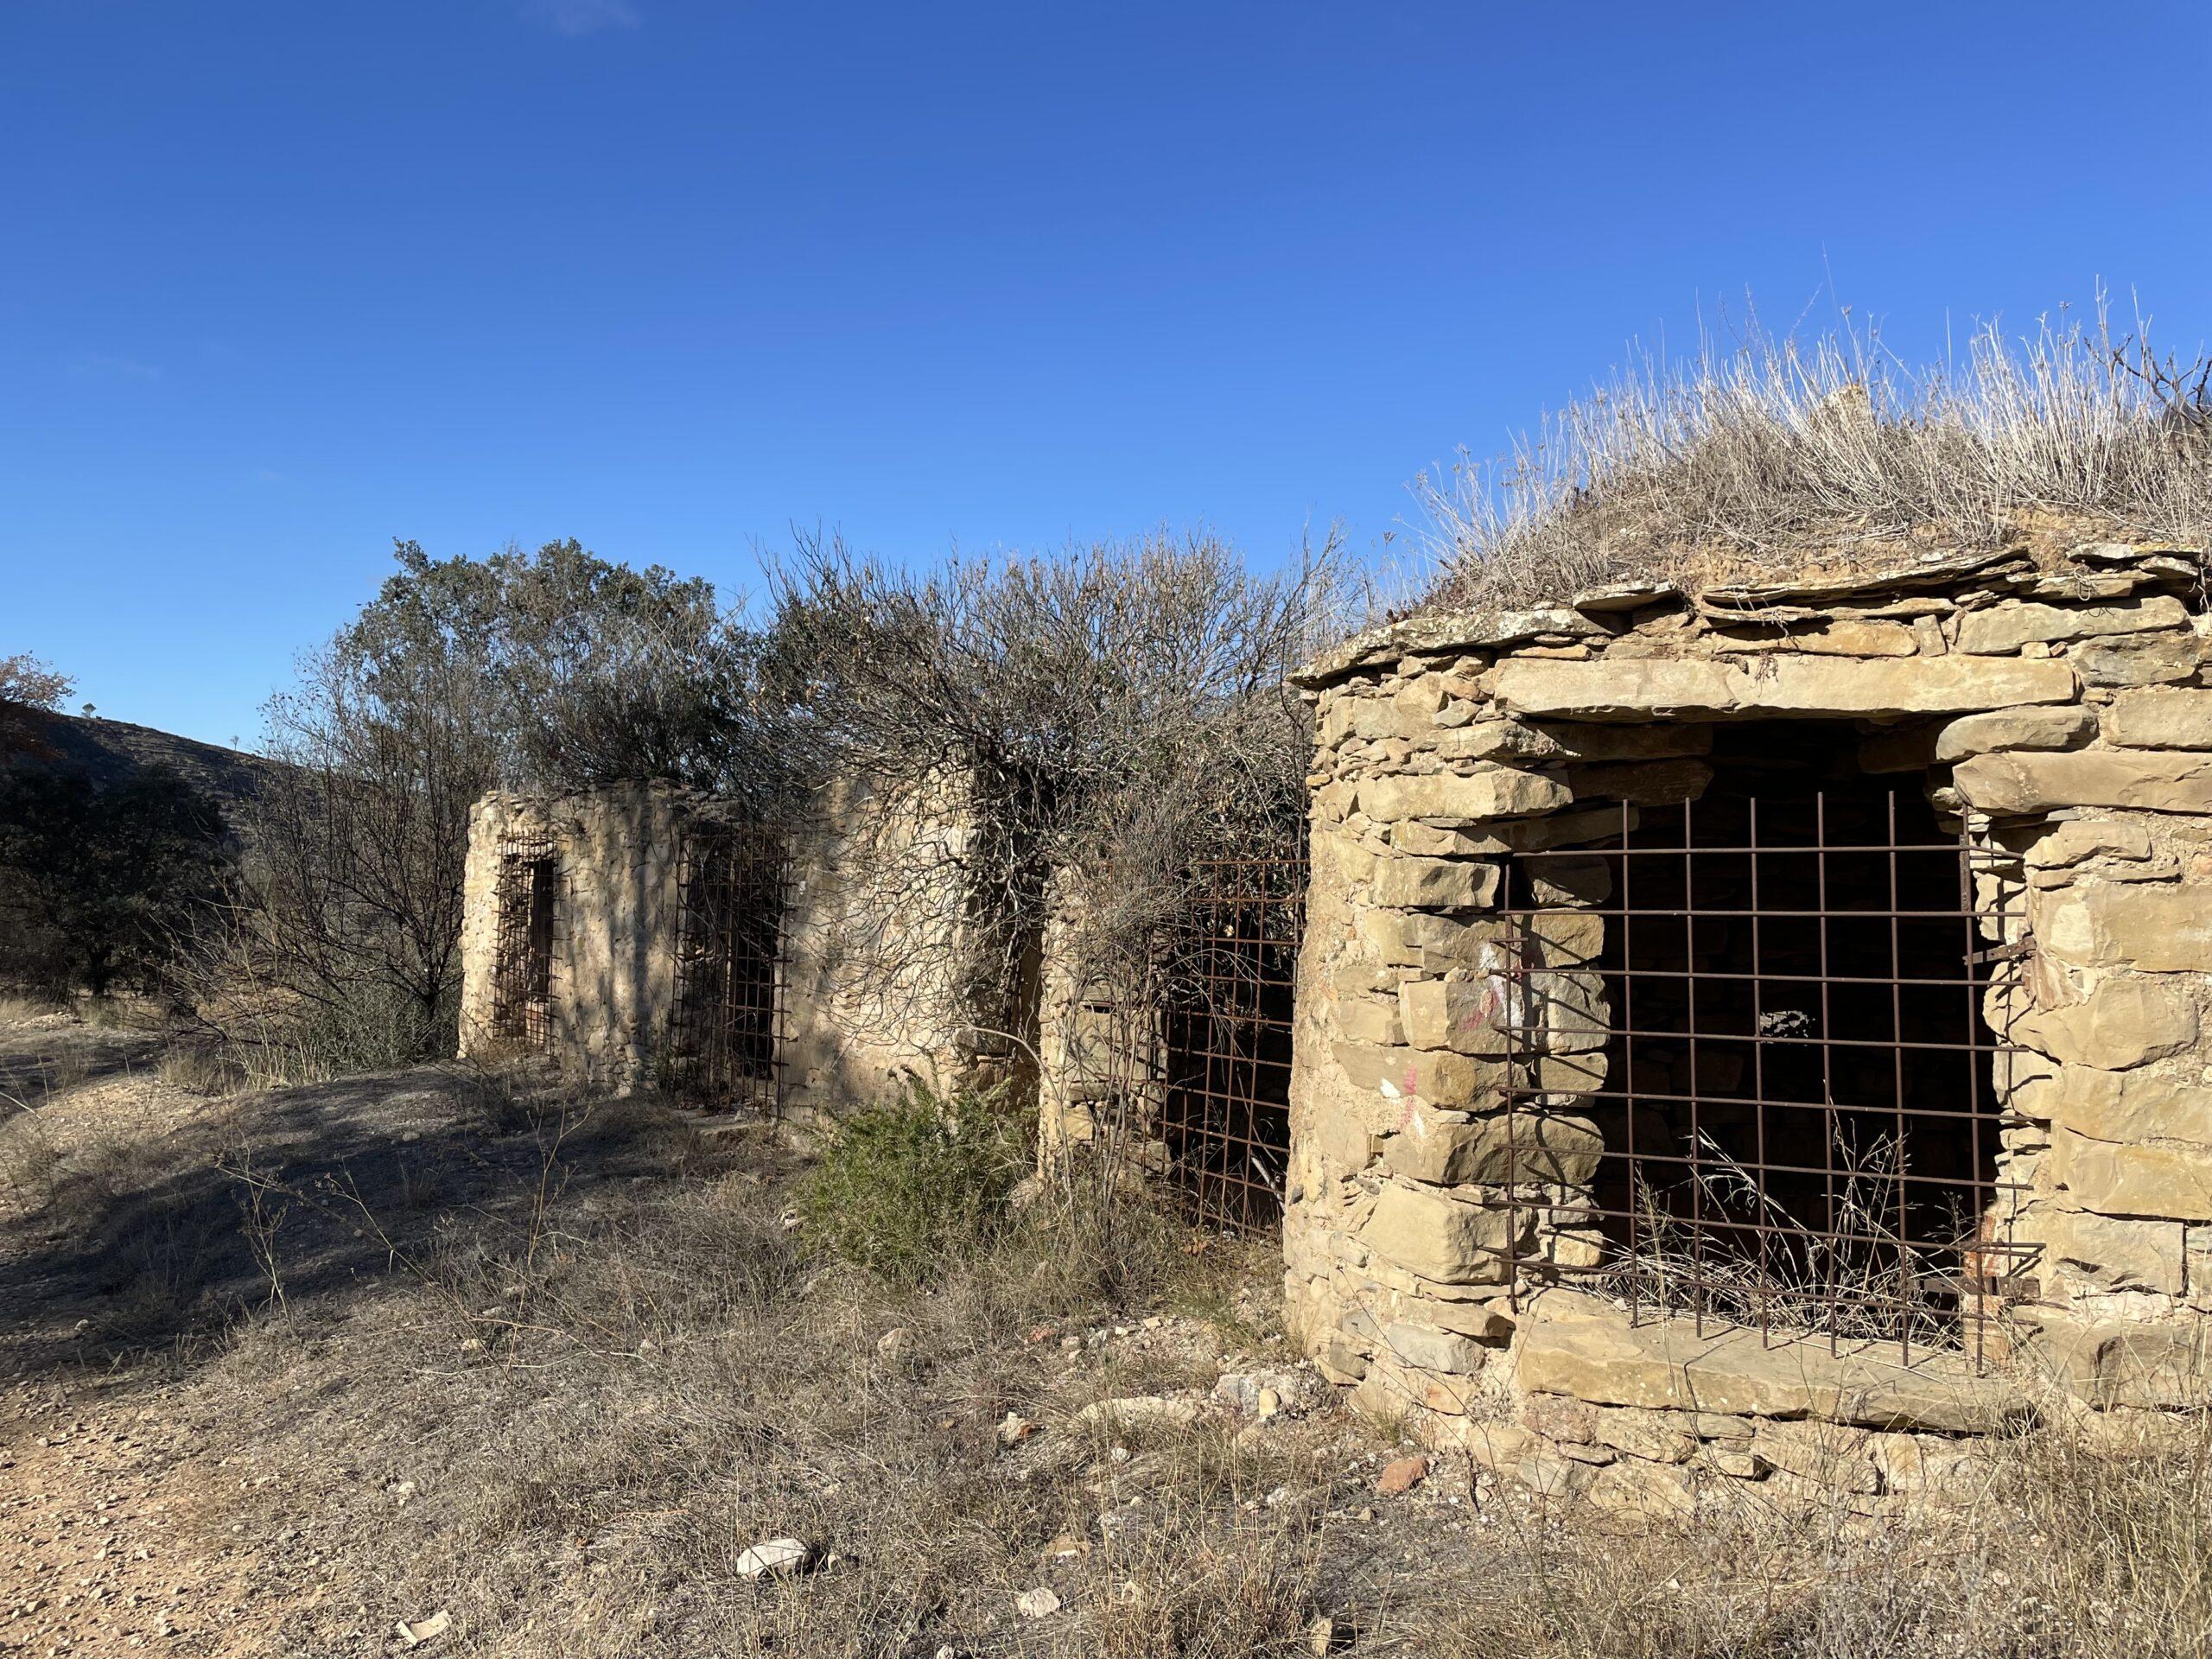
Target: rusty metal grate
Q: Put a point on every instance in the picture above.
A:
(1780, 1007)
(528, 919)
(1225, 1036)
(729, 1028)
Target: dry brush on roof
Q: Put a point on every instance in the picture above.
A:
(1780, 452)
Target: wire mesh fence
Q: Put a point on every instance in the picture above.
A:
(1228, 968)
(729, 1026)
(528, 918)
(1779, 1018)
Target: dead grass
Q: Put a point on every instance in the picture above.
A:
(557, 1376)
(1775, 453)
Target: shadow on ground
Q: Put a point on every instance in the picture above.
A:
(150, 1250)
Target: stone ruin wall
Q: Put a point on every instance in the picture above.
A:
(861, 889)
(883, 975)
(2061, 714)
(613, 980)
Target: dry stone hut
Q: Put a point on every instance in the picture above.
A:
(1761, 1033)
(655, 935)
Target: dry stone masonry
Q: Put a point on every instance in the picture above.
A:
(1449, 1149)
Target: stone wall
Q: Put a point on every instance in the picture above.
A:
(877, 980)
(614, 973)
(2059, 712)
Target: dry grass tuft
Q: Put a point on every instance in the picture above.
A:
(1783, 452)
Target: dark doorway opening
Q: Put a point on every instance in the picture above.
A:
(727, 1047)
(1226, 1038)
(528, 915)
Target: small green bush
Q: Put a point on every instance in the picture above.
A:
(904, 1185)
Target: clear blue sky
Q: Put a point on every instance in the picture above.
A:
(284, 281)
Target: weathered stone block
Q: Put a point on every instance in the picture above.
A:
(2064, 845)
(2120, 1106)
(2008, 626)
(1657, 1490)
(1666, 1365)
(2152, 659)
(2117, 1253)
(1612, 689)
(1492, 792)
(1443, 1238)
(2018, 785)
(1408, 883)
(2155, 717)
(1528, 740)
(2159, 927)
(1652, 783)
(1513, 1148)
(2124, 1022)
(1456, 1012)
(2052, 727)
(1839, 637)
(1370, 1020)
(2165, 1178)
(1430, 1350)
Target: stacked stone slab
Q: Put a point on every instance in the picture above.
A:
(2059, 709)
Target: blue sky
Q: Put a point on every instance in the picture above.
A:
(285, 280)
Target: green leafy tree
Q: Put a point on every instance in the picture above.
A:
(555, 668)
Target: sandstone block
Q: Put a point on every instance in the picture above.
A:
(2153, 1367)
(1458, 1012)
(1660, 1490)
(2020, 784)
(1408, 883)
(1840, 636)
(1492, 792)
(1370, 1020)
(2124, 1022)
(1442, 1238)
(2160, 717)
(1515, 1148)
(2051, 727)
(2066, 844)
(2168, 1178)
(2159, 927)
(2120, 1106)
(1652, 783)
(1610, 688)
(2008, 626)
(1430, 1350)
(2149, 659)
(2117, 1253)
(1528, 740)
(1457, 1081)
(1665, 1365)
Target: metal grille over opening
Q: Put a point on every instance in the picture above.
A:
(729, 1026)
(1774, 1007)
(1225, 1030)
(529, 914)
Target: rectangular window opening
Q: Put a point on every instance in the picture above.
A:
(1797, 1093)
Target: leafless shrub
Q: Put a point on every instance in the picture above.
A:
(1777, 448)
(1095, 720)
(27, 687)
(1859, 1276)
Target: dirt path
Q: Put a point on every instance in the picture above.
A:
(108, 1544)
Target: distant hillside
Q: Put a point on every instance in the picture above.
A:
(112, 749)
